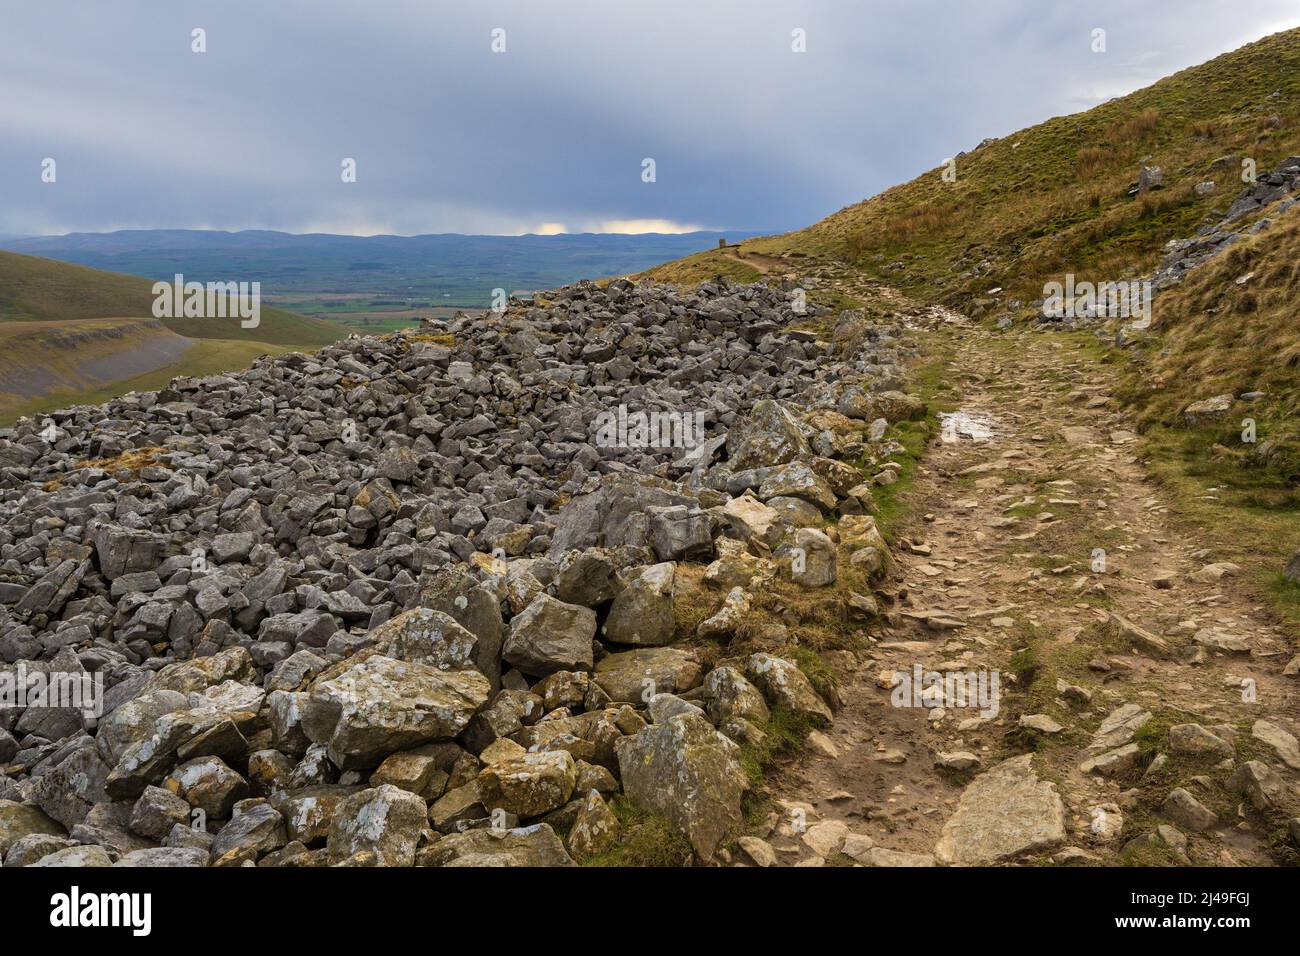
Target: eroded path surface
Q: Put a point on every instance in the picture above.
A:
(1041, 551)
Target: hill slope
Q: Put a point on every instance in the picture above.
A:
(71, 334)
(1054, 198)
(37, 289)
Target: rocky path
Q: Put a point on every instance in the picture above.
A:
(1141, 676)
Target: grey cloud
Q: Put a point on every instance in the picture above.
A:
(450, 137)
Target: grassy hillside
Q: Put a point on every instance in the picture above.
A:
(71, 335)
(1053, 198)
(203, 357)
(1230, 327)
(33, 289)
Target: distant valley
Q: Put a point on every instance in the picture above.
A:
(375, 283)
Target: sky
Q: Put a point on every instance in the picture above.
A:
(550, 130)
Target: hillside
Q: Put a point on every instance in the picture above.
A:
(72, 334)
(38, 289)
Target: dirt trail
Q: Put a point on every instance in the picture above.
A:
(764, 264)
(1007, 542)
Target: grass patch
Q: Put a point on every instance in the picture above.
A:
(645, 839)
(784, 736)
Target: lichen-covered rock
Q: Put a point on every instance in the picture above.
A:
(588, 578)
(156, 812)
(18, 820)
(635, 676)
(894, 406)
(643, 614)
(680, 533)
(769, 435)
(476, 607)
(308, 812)
(35, 846)
(784, 685)
(382, 820)
(382, 705)
(68, 791)
(551, 636)
(1005, 812)
(255, 830)
(689, 773)
(729, 695)
(207, 784)
(536, 845)
(530, 785)
(749, 519)
(797, 479)
(164, 856)
(425, 636)
(810, 558)
(595, 829)
(726, 622)
(78, 856)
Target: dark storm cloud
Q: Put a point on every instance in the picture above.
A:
(449, 136)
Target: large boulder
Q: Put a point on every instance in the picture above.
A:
(384, 820)
(551, 636)
(588, 577)
(798, 480)
(749, 518)
(770, 435)
(18, 820)
(679, 533)
(207, 784)
(426, 636)
(642, 614)
(529, 785)
(728, 695)
(635, 676)
(810, 558)
(689, 773)
(475, 607)
(122, 550)
(615, 513)
(255, 830)
(68, 791)
(383, 705)
(595, 828)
